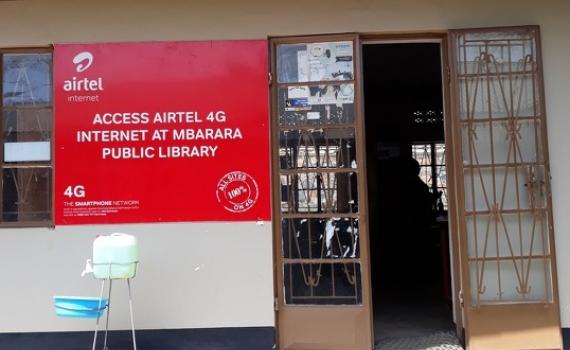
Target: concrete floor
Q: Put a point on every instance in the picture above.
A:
(435, 341)
(413, 321)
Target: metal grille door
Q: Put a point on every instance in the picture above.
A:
(506, 235)
(323, 283)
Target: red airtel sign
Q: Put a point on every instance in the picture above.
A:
(161, 132)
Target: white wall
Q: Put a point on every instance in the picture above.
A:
(190, 275)
(230, 252)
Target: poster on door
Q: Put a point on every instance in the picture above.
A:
(161, 132)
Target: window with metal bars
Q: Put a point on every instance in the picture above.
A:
(26, 128)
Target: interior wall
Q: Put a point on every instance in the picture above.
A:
(228, 252)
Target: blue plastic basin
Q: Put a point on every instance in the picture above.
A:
(84, 307)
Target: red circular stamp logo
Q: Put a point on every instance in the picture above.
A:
(237, 191)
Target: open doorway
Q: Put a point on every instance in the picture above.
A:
(407, 190)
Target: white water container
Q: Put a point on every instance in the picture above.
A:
(115, 256)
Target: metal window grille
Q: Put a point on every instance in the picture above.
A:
(26, 128)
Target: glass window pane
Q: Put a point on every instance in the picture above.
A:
(315, 62)
(328, 148)
(26, 194)
(27, 152)
(316, 105)
(522, 280)
(322, 192)
(508, 238)
(27, 124)
(505, 188)
(320, 238)
(27, 79)
(497, 78)
(323, 284)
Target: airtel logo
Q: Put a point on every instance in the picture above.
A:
(83, 61)
(82, 57)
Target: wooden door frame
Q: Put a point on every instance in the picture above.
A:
(362, 38)
(440, 37)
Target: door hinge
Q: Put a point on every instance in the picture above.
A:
(270, 78)
(448, 73)
(276, 304)
(461, 301)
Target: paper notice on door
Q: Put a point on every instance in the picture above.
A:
(313, 115)
(332, 94)
(298, 92)
(302, 66)
(330, 61)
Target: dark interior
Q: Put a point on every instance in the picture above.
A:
(408, 229)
